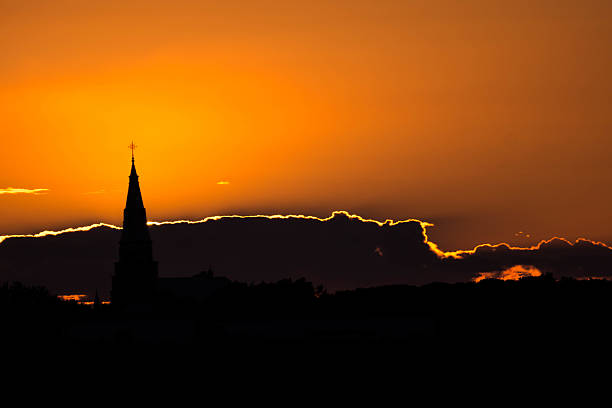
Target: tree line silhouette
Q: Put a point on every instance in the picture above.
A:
(295, 311)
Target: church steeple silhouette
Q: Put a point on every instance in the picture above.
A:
(135, 278)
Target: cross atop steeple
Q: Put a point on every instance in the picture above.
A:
(133, 147)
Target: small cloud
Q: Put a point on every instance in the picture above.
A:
(514, 273)
(96, 192)
(223, 183)
(12, 190)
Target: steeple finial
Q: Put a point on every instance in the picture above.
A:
(133, 147)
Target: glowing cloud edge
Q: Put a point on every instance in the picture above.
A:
(459, 254)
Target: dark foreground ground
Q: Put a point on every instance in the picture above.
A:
(535, 311)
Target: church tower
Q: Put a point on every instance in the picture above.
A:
(135, 278)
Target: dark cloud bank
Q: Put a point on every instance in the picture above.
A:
(342, 253)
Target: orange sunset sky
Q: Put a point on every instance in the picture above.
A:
(491, 119)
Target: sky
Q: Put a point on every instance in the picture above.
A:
(490, 119)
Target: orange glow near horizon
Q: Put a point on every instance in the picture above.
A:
(80, 299)
(72, 297)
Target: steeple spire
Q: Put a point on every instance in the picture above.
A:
(136, 271)
(134, 215)
(134, 197)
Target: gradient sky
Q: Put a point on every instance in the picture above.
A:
(491, 119)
